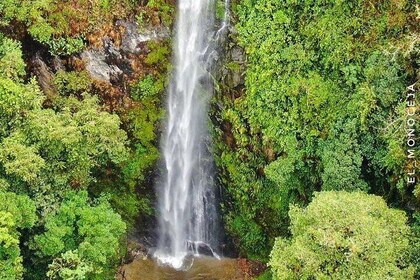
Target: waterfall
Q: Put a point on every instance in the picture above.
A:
(186, 196)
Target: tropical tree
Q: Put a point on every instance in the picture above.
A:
(344, 235)
(81, 238)
(17, 212)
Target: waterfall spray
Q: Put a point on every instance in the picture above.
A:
(186, 196)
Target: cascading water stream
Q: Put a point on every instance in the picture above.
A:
(186, 195)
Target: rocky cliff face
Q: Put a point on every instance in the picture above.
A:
(114, 58)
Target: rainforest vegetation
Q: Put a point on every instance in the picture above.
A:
(309, 122)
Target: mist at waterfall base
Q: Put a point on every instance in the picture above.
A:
(187, 204)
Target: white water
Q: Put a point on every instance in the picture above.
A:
(186, 196)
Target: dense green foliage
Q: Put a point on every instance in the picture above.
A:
(323, 109)
(17, 212)
(78, 171)
(342, 235)
(414, 256)
(62, 25)
(143, 121)
(82, 233)
(156, 11)
(45, 152)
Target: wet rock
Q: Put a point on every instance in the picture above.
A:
(97, 66)
(43, 74)
(237, 54)
(132, 37)
(235, 76)
(250, 268)
(112, 51)
(232, 66)
(57, 64)
(201, 248)
(110, 61)
(135, 251)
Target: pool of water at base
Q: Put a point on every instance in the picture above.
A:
(202, 268)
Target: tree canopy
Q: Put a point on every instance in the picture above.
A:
(322, 108)
(342, 235)
(81, 238)
(17, 212)
(46, 151)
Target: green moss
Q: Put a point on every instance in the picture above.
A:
(147, 88)
(73, 82)
(159, 51)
